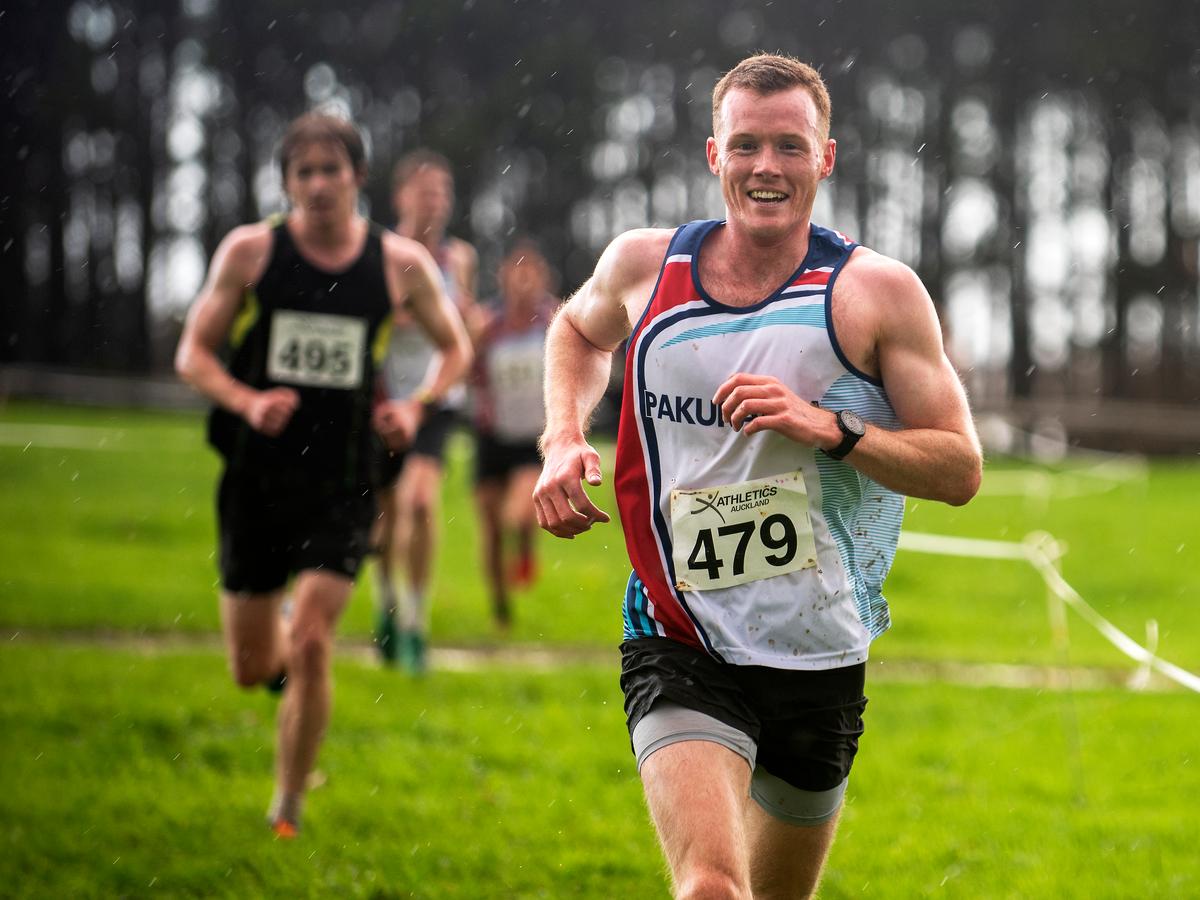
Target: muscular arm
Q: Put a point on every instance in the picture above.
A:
(579, 348)
(237, 264)
(418, 285)
(577, 369)
(464, 271)
(415, 285)
(936, 453)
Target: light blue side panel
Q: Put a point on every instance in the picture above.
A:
(864, 517)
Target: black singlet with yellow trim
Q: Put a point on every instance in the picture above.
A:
(322, 334)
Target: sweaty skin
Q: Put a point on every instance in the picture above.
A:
(322, 184)
(883, 315)
(770, 152)
(318, 185)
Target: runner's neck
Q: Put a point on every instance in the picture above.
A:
(332, 247)
(430, 238)
(737, 271)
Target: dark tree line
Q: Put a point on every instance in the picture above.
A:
(992, 146)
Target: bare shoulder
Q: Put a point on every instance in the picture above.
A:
(243, 253)
(608, 304)
(886, 287)
(403, 252)
(463, 253)
(632, 259)
(879, 301)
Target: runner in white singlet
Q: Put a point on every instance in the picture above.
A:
(410, 483)
(509, 416)
(783, 389)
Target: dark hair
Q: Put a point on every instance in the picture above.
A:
(770, 73)
(315, 127)
(523, 245)
(414, 161)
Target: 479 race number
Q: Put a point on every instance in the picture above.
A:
(738, 533)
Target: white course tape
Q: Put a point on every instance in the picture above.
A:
(59, 437)
(959, 546)
(1041, 550)
(1106, 473)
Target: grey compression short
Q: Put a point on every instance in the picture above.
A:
(669, 723)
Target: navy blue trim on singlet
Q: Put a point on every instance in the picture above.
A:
(672, 250)
(638, 623)
(688, 239)
(703, 229)
(684, 241)
(659, 523)
(826, 235)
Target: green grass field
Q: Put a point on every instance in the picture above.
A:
(131, 766)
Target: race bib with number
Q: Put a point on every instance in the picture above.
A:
(316, 349)
(738, 533)
(515, 374)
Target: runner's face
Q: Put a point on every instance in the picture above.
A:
(523, 279)
(321, 181)
(770, 154)
(426, 199)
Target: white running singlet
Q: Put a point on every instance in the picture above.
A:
(753, 547)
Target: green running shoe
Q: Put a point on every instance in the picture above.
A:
(415, 657)
(387, 639)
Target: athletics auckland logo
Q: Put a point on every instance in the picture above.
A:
(739, 499)
(710, 502)
(681, 410)
(746, 497)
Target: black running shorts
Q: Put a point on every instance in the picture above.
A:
(495, 460)
(273, 525)
(386, 465)
(806, 723)
(434, 432)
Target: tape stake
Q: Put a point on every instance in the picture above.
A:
(1043, 551)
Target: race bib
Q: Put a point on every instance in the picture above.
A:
(738, 533)
(316, 349)
(515, 370)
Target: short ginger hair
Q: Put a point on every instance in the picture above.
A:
(770, 73)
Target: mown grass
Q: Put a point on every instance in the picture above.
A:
(123, 538)
(132, 773)
(130, 769)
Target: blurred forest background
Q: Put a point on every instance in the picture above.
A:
(1037, 162)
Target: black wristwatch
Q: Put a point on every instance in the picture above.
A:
(853, 428)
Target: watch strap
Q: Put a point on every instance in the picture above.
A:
(849, 440)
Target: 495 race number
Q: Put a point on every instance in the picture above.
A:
(738, 533)
(316, 349)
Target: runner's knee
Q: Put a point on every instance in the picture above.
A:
(420, 486)
(311, 650)
(712, 882)
(248, 673)
(423, 502)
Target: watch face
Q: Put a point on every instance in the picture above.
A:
(852, 422)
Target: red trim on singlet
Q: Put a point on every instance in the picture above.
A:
(632, 482)
(812, 278)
